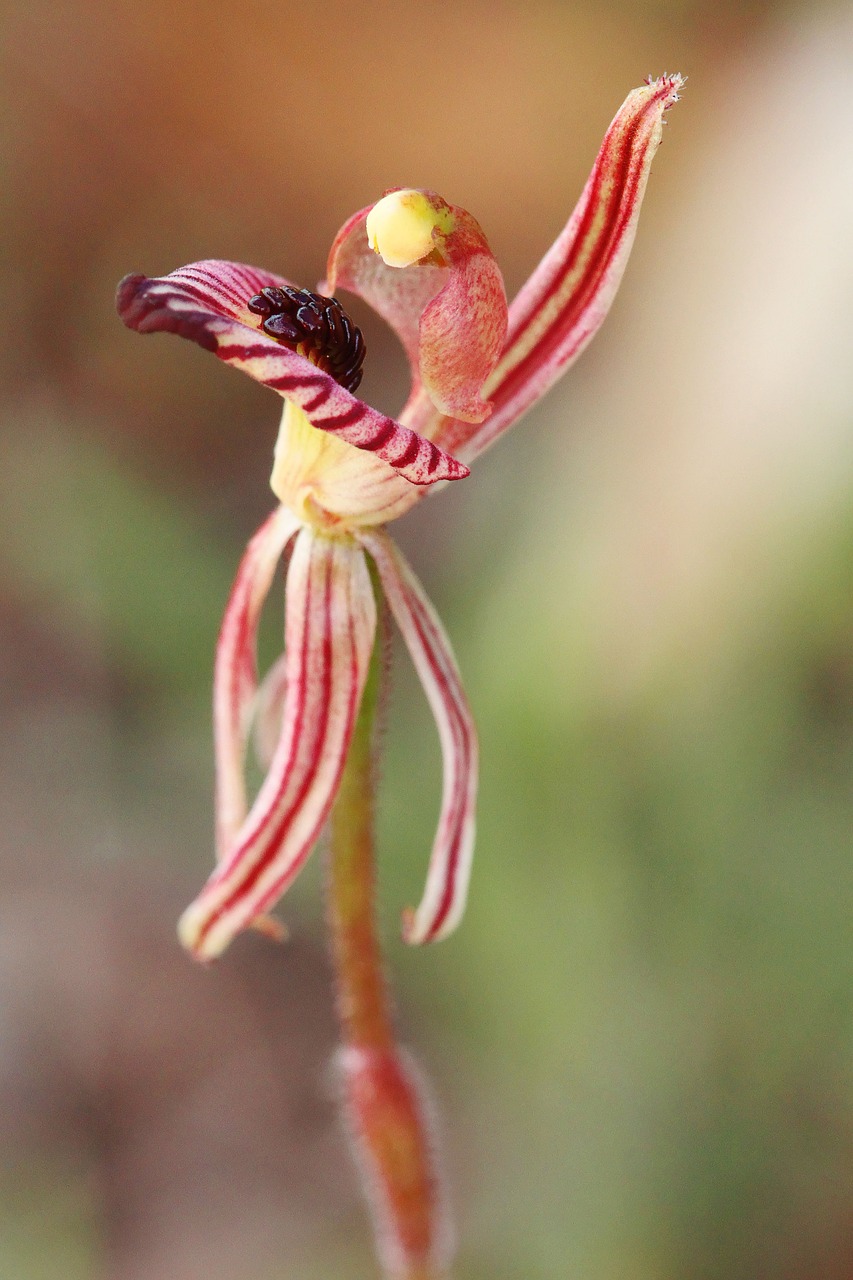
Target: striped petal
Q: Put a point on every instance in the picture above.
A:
(235, 676)
(565, 301)
(450, 863)
(426, 267)
(330, 622)
(268, 711)
(206, 302)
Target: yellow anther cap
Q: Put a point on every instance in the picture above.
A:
(401, 226)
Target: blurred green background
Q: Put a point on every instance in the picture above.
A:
(641, 1037)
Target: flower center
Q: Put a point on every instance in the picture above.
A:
(315, 327)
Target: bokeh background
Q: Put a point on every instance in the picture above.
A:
(641, 1037)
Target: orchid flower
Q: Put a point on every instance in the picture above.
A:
(342, 471)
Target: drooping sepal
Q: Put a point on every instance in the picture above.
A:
(330, 620)
(427, 268)
(564, 303)
(449, 872)
(267, 712)
(235, 676)
(207, 302)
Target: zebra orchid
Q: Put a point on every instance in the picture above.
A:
(342, 471)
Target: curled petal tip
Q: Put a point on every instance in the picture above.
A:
(146, 311)
(206, 945)
(202, 943)
(126, 291)
(419, 934)
(272, 928)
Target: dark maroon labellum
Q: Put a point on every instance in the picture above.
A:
(320, 325)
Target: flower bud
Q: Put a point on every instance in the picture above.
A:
(389, 1124)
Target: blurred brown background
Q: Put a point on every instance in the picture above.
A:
(641, 1036)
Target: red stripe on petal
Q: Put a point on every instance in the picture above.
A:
(450, 862)
(381, 439)
(262, 835)
(409, 453)
(308, 737)
(348, 419)
(450, 825)
(330, 624)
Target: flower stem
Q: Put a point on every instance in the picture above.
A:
(381, 1088)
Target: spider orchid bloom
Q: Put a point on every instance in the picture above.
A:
(342, 471)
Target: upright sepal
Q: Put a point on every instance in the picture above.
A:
(450, 863)
(563, 304)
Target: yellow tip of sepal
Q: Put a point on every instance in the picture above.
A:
(202, 944)
(405, 226)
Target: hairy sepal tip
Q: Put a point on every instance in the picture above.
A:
(669, 86)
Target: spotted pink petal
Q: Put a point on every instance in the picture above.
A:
(206, 302)
(450, 863)
(449, 310)
(235, 676)
(330, 621)
(565, 301)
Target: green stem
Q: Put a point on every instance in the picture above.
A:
(381, 1091)
(363, 1003)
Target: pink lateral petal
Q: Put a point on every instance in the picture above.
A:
(206, 302)
(449, 310)
(450, 862)
(564, 303)
(235, 670)
(330, 621)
